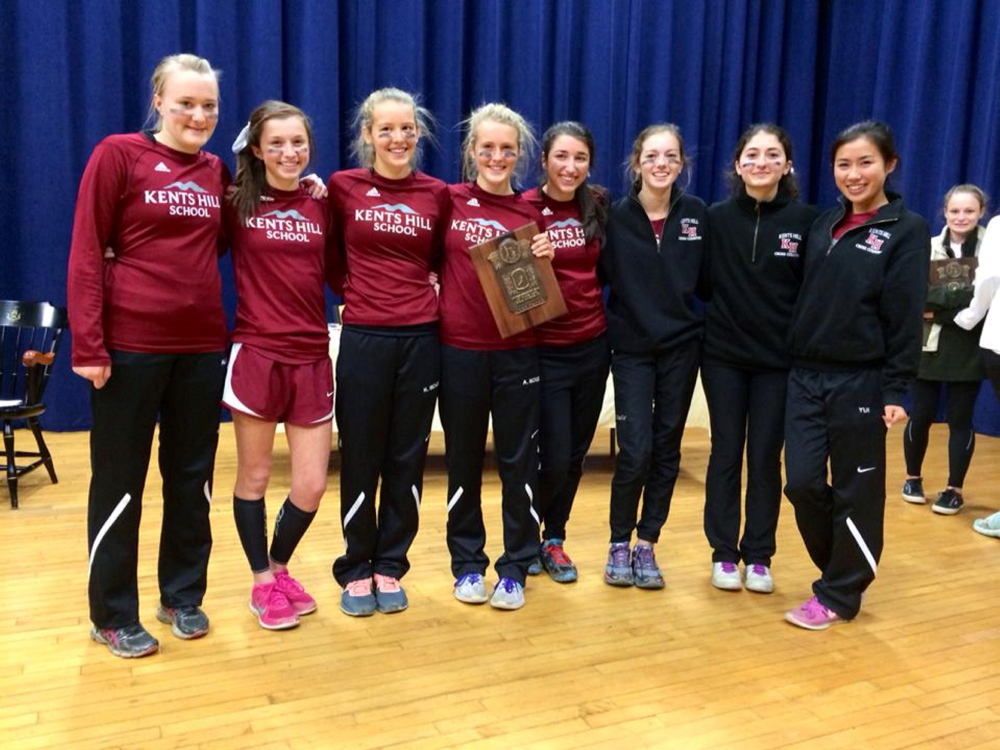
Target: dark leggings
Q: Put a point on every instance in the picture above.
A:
(961, 437)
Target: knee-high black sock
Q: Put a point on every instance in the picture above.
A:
(290, 526)
(251, 525)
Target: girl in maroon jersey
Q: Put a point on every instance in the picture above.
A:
(573, 349)
(391, 219)
(279, 367)
(483, 373)
(149, 333)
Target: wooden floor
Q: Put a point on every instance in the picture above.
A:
(582, 665)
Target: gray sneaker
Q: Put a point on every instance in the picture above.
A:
(508, 594)
(185, 622)
(645, 571)
(129, 642)
(618, 571)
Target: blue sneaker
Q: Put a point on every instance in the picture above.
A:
(358, 599)
(389, 595)
(471, 589)
(645, 571)
(508, 594)
(535, 568)
(618, 571)
(556, 562)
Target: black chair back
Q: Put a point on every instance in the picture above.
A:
(26, 326)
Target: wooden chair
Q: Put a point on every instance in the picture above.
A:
(29, 337)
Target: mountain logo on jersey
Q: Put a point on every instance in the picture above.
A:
(184, 199)
(570, 222)
(192, 186)
(374, 193)
(161, 167)
(394, 207)
(290, 214)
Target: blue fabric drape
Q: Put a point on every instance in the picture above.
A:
(74, 72)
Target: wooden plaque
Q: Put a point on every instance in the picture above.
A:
(953, 273)
(521, 289)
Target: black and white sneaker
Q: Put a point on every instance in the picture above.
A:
(948, 503)
(913, 491)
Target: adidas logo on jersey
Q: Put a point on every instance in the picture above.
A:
(161, 167)
(473, 202)
(373, 193)
(546, 211)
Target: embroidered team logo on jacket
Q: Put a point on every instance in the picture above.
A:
(873, 243)
(788, 245)
(689, 230)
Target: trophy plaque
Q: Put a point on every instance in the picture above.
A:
(521, 289)
(954, 273)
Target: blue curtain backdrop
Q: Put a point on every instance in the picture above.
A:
(73, 72)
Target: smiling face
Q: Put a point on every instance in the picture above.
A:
(762, 164)
(393, 136)
(962, 213)
(188, 107)
(495, 150)
(284, 149)
(860, 172)
(660, 162)
(566, 167)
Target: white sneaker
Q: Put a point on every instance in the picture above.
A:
(759, 579)
(471, 589)
(508, 594)
(726, 576)
(989, 526)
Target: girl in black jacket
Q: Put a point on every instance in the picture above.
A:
(855, 341)
(652, 262)
(756, 251)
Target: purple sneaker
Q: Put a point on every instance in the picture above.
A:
(726, 576)
(618, 571)
(645, 571)
(813, 616)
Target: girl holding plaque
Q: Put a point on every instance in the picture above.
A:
(484, 374)
(855, 340)
(757, 246)
(950, 356)
(279, 366)
(573, 348)
(653, 261)
(391, 218)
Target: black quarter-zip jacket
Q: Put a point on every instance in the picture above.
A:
(756, 252)
(653, 286)
(862, 297)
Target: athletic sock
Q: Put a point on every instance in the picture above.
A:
(290, 526)
(251, 525)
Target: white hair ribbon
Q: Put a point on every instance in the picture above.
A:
(241, 140)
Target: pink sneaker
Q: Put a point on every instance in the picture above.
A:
(301, 602)
(812, 616)
(273, 610)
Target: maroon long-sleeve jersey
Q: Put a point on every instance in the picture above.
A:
(281, 256)
(391, 240)
(477, 216)
(143, 264)
(575, 266)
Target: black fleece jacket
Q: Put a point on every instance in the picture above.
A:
(651, 304)
(862, 297)
(756, 252)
